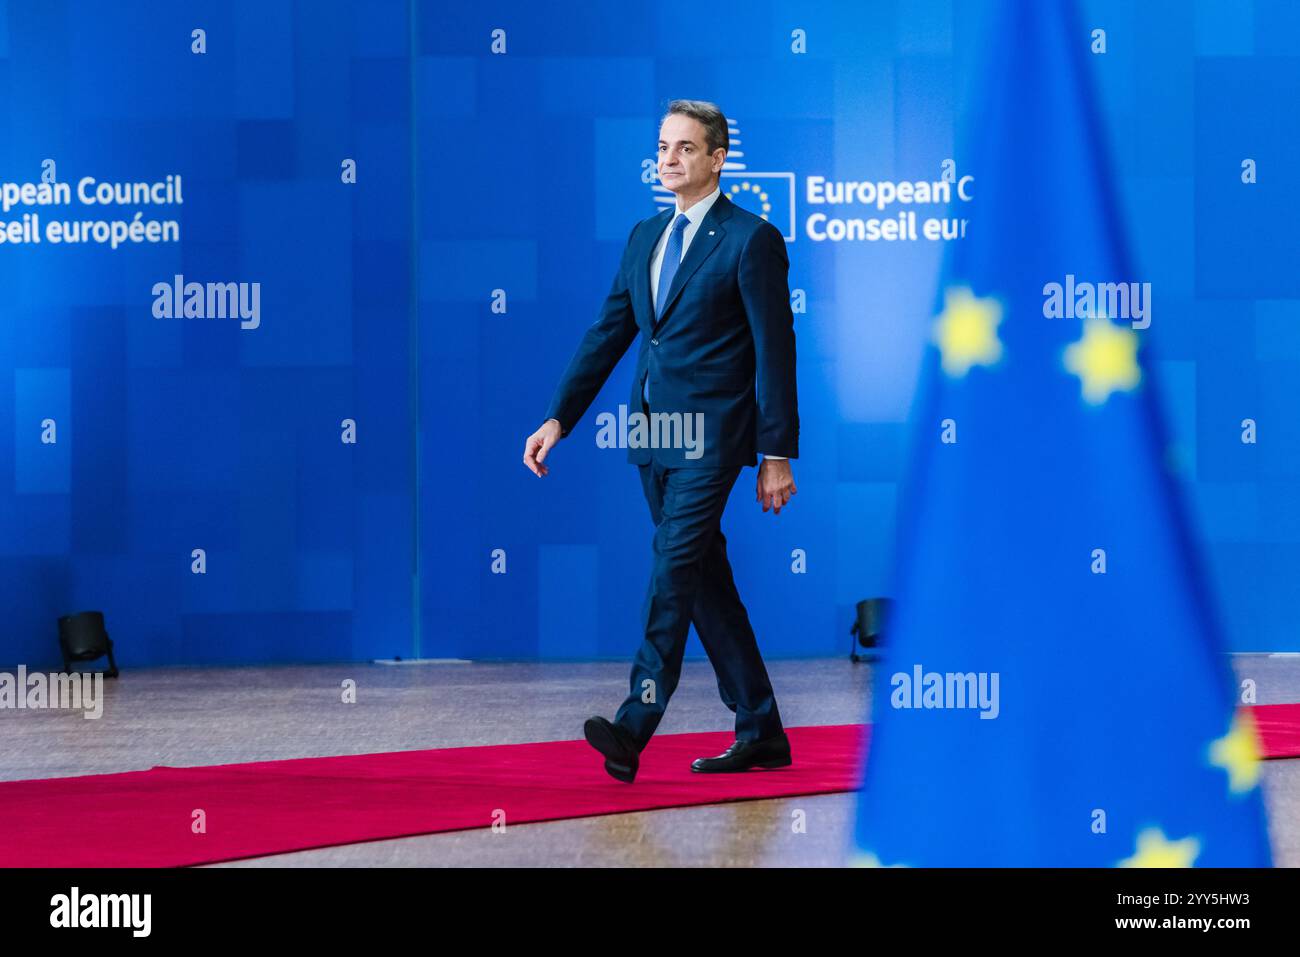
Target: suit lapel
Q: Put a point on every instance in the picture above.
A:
(705, 240)
(647, 260)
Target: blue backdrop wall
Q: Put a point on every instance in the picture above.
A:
(179, 434)
(348, 468)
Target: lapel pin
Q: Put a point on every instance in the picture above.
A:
(710, 232)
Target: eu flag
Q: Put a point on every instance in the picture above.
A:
(1054, 690)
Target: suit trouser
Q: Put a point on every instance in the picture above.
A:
(691, 581)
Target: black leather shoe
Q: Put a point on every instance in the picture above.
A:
(743, 755)
(622, 756)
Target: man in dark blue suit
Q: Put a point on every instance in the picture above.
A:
(705, 283)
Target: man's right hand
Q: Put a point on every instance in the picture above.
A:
(538, 444)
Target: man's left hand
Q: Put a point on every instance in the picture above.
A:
(775, 484)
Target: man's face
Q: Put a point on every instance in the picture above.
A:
(685, 165)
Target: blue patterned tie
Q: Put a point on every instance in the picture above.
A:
(672, 259)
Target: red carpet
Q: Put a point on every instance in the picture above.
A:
(1279, 729)
(143, 818)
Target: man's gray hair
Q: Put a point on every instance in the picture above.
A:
(715, 124)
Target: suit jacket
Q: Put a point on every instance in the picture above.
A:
(722, 351)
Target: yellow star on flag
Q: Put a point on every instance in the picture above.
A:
(1237, 752)
(1105, 359)
(1155, 850)
(966, 331)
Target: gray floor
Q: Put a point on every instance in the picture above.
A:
(223, 715)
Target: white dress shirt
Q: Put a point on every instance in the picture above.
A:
(696, 215)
